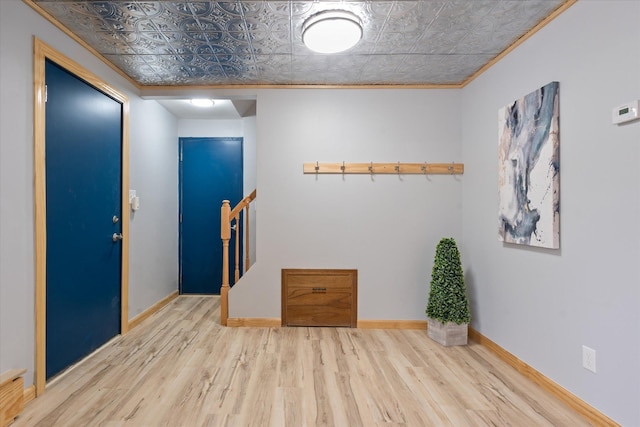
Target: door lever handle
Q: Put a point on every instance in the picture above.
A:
(116, 237)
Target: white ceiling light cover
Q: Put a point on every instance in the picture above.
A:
(202, 102)
(331, 31)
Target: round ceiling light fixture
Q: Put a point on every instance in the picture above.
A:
(331, 31)
(202, 102)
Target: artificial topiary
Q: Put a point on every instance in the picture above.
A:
(448, 295)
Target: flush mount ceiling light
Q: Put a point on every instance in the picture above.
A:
(331, 31)
(202, 102)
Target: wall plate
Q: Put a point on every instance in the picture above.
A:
(625, 112)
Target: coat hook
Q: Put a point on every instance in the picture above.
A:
(398, 167)
(342, 167)
(317, 166)
(424, 168)
(451, 168)
(371, 168)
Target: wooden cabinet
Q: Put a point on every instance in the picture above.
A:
(319, 297)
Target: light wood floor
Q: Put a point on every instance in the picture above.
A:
(180, 368)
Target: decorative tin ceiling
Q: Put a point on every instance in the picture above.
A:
(405, 42)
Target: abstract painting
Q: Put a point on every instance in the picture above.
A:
(529, 170)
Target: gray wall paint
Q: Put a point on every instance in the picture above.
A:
(543, 305)
(154, 227)
(18, 24)
(386, 226)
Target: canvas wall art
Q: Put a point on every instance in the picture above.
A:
(529, 170)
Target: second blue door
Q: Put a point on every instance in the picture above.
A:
(210, 172)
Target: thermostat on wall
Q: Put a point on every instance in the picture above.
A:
(626, 112)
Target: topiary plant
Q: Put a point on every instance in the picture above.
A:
(448, 295)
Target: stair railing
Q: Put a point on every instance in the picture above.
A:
(230, 220)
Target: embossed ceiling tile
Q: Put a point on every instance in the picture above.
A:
(213, 75)
(176, 62)
(379, 9)
(274, 15)
(404, 41)
(134, 66)
(439, 42)
(530, 11)
(384, 63)
(275, 43)
(108, 43)
(325, 69)
(116, 15)
(231, 8)
(174, 17)
(455, 68)
(273, 61)
(244, 37)
(309, 64)
(373, 16)
(274, 68)
(239, 62)
(193, 37)
(246, 23)
(208, 53)
(202, 24)
(463, 15)
(300, 8)
(126, 60)
(141, 9)
(481, 42)
(242, 75)
(58, 9)
(347, 62)
(397, 42)
(412, 16)
(222, 53)
(363, 47)
(519, 17)
(152, 45)
(190, 8)
(78, 17)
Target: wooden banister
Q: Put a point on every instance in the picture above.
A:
(227, 217)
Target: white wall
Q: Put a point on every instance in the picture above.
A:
(210, 128)
(543, 305)
(387, 226)
(152, 151)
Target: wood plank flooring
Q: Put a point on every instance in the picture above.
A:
(181, 368)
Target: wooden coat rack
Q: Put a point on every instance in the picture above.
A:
(397, 168)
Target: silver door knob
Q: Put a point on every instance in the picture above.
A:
(116, 237)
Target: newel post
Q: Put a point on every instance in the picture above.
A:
(225, 235)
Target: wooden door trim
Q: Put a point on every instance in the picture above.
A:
(42, 52)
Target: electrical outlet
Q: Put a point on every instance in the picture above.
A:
(589, 358)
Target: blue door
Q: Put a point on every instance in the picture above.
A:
(83, 193)
(210, 172)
